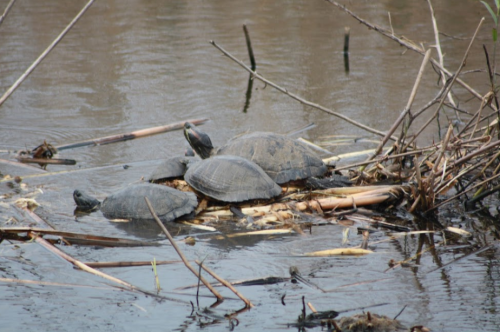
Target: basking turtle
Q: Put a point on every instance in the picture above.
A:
(129, 202)
(282, 158)
(171, 168)
(230, 179)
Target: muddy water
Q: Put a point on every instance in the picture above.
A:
(129, 65)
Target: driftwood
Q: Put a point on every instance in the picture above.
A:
(131, 135)
(76, 238)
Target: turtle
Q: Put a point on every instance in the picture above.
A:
(171, 168)
(284, 159)
(230, 179)
(129, 202)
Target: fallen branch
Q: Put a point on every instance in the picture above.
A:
(78, 238)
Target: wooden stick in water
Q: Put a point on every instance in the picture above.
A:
(179, 252)
(131, 135)
(46, 161)
(253, 65)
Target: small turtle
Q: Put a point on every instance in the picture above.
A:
(230, 179)
(129, 203)
(170, 169)
(282, 158)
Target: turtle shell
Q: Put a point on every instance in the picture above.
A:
(231, 179)
(284, 159)
(129, 203)
(171, 168)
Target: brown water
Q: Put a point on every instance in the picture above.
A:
(129, 65)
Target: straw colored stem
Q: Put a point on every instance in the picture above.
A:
(45, 53)
(439, 52)
(453, 80)
(225, 283)
(6, 11)
(179, 252)
(132, 135)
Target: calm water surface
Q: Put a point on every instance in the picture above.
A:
(129, 65)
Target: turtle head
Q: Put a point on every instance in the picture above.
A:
(199, 141)
(85, 202)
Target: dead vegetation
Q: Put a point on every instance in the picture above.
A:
(465, 160)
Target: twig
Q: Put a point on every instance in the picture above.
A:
(453, 80)
(250, 49)
(6, 11)
(45, 53)
(439, 51)
(225, 283)
(296, 97)
(179, 252)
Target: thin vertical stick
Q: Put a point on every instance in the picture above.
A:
(253, 65)
(347, 32)
(440, 53)
(6, 11)
(44, 54)
(179, 252)
(453, 80)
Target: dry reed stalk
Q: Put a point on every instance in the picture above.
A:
(132, 135)
(126, 264)
(181, 255)
(296, 97)
(45, 53)
(450, 85)
(437, 45)
(225, 283)
(6, 11)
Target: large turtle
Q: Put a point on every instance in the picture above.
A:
(129, 203)
(282, 158)
(230, 179)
